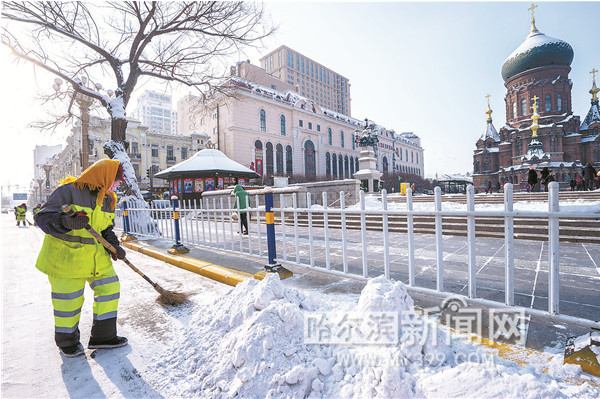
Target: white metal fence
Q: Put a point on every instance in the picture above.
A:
(352, 251)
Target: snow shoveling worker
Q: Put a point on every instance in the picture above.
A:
(21, 213)
(70, 256)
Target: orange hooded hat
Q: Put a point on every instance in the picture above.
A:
(100, 176)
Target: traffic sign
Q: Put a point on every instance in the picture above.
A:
(19, 196)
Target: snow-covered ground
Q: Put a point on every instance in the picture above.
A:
(251, 341)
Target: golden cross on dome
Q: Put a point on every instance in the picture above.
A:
(532, 8)
(535, 105)
(593, 72)
(488, 98)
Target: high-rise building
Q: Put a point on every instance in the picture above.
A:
(325, 87)
(155, 111)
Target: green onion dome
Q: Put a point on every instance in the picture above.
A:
(536, 51)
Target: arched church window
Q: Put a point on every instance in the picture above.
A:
(553, 144)
(353, 144)
(351, 166)
(514, 112)
(288, 160)
(309, 159)
(519, 147)
(559, 102)
(279, 159)
(341, 166)
(328, 164)
(548, 103)
(523, 107)
(269, 156)
(357, 169)
(385, 165)
(334, 166)
(342, 138)
(329, 136)
(282, 122)
(258, 157)
(346, 166)
(263, 120)
(476, 166)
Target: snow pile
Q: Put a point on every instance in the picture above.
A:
(251, 343)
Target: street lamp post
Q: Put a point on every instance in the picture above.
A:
(47, 169)
(39, 182)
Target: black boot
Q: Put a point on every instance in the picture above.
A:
(72, 351)
(116, 342)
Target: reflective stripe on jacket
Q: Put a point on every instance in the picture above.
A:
(76, 253)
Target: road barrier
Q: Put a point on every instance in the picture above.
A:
(209, 224)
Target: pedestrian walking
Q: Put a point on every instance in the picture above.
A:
(71, 256)
(545, 178)
(573, 184)
(589, 173)
(21, 213)
(532, 178)
(579, 183)
(243, 200)
(489, 187)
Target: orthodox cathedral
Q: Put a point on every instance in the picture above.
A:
(540, 130)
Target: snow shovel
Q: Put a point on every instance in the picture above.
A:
(165, 298)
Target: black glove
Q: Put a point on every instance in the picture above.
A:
(74, 221)
(120, 253)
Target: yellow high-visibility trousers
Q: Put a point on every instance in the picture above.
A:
(67, 301)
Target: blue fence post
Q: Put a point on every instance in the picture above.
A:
(126, 234)
(272, 266)
(178, 248)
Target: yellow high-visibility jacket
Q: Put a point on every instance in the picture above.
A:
(21, 212)
(74, 253)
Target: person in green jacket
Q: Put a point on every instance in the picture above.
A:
(71, 256)
(243, 200)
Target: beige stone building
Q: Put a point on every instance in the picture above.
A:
(279, 132)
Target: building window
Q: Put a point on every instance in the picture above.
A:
(288, 160)
(523, 107)
(514, 110)
(310, 125)
(282, 121)
(385, 164)
(170, 153)
(258, 157)
(318, 128)
(353, 143)
(548, 103)
(351, 166)
(184, 153)
(356, 164)
(269, 158)
(309, 159)
(346, 166)
(263, 120)
(341, 164)
(300, 123)
(279, 159)
(154, 150)
(334, 166)
(559, 102)
(342, 138)
(328, 164)
(329, 136)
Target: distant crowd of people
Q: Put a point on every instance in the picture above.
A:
(588, 180)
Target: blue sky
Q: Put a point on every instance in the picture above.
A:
(422, 67)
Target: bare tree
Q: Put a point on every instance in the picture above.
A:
(113, 45)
